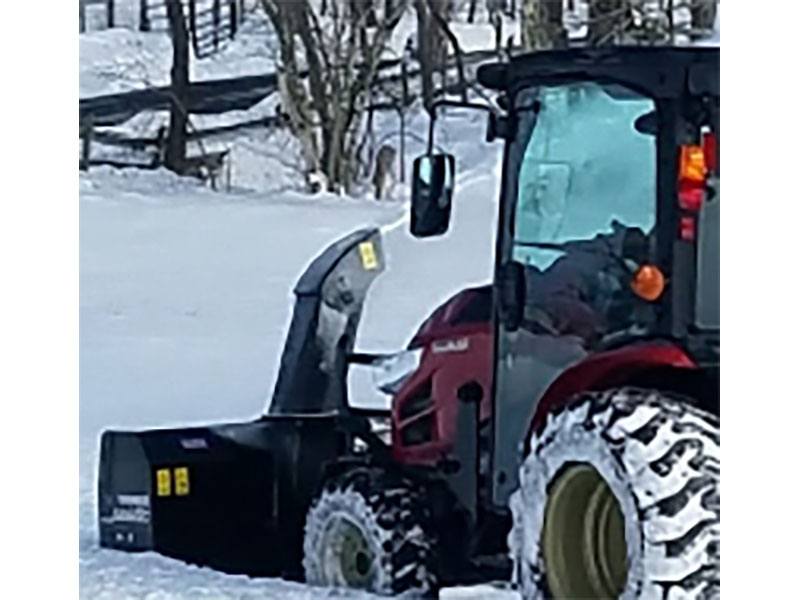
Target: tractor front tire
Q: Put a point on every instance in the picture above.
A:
(369, 532)
(619, 498)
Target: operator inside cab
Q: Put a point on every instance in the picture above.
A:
(585, 208)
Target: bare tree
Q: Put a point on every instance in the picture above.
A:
(614, 22)
(431, 45)
(444, 26)
(340, 45)
(542, 24)
(606, 20)
(179, 76)
(704, 13)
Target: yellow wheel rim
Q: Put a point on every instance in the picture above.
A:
(583, 540)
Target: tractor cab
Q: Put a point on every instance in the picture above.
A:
(608, 245)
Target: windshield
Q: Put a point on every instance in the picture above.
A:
(583, 179)
(582, 166)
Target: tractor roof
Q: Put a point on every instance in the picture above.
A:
(658, 71)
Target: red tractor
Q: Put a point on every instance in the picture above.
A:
(558, 427)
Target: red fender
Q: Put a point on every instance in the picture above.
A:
(607, 369)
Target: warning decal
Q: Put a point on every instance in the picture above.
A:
(163, 482)
(369, 259)
(182, 481)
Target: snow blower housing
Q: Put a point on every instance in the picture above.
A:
(234, 496)
(558, 427)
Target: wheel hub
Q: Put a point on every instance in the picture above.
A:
(583, 540)
(347, 555)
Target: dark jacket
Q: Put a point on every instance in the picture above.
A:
(587, 286)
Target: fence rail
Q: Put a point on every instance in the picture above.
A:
(211, 23)
(223, 95)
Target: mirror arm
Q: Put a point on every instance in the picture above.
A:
(431, 129)
(455, 104)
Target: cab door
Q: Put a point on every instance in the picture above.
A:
(579, 196)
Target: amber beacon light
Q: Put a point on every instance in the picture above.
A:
(648, 282)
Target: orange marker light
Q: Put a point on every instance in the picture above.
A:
(692, 177)
(693, 164)
(648, 282)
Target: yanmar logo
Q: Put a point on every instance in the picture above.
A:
(456, 345)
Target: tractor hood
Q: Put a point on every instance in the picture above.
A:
(329, 300)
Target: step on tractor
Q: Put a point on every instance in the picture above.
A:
(557, 428)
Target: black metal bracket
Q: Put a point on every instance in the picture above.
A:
(493, 114)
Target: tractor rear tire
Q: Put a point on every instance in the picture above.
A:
(619, 497)
(370, 532)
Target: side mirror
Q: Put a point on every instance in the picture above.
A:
(431, 194)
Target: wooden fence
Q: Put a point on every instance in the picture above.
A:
(210, 22)
(109, 7)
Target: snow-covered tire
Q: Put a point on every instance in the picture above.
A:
(659, 458)
(392, 523)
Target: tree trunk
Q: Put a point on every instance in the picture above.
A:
(234, 15)
(444, 27)
(325, 108)
(431, 46)
(179, 88)
(704, 13)
(604, 16)
(298, 118)
(542, 24)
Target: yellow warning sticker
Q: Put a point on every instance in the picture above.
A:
(163, 482)
(182, 481)
(369, 259)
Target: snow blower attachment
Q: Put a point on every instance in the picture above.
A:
(234, 496)
(558, 427)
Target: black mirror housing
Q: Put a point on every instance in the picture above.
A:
(432, 194)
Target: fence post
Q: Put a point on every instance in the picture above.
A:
(234, 16)
(86, 148)
(144, 19)
(110, 13)
(193, 26)
(215, 10)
